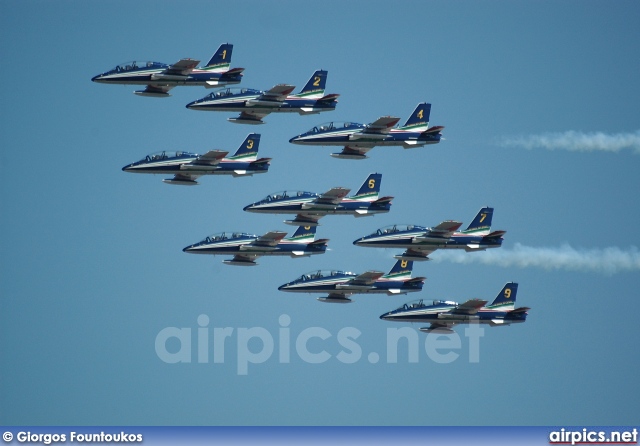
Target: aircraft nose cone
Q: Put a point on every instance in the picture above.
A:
(282, 287)
(357, 241)
(248, 208)
(385, 316)
(190, 104)
(126, 168)
(188, 248)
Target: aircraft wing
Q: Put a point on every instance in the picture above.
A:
(278, 93)
(328, 200)
(271, 238)
(156, 90)
(183, 67)
(470, 307)
(211, 158)
(366, 278)
(443, 230)
(333, 195)
(382, 125)
(274, 97)
(439, 327)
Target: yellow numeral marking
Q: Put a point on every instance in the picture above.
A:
(372, 183)
(420, 114)
(403, 263)
(507, 293)
(224, 54)
(483, 217)
(307, 227)
(250, 144)
(316, 82)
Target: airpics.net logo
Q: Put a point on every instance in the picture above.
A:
(204, 344)
(590, 436)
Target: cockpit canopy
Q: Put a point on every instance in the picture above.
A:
(398, 228)
(167, 154)
(229, 92)
(420, 303)
(226, 236)
(327, 126)
(323, 273)
(133, 65)
(287, 194)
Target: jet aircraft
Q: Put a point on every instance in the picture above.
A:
(309, 207)
(246, 248)
(339, 285)
(358, 139)
(186, 166)
(254, 105)
(444, 314)
(159, 78)
(421, 241)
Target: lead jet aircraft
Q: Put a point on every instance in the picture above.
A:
(358, 139)
(246, 248)
(339, 285)
(421, 241)
(159, 77)
(309, 207)
(254, 105)
(186, 166)
(444, 314)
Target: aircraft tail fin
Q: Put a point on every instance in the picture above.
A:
(419, 119)
(400, 271)
(370, 189)
(481, 224)
(221, 59)
(314, 89)
(248, 150)
(506, 299)
(304, 234)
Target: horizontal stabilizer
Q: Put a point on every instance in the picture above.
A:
(321, 241)
(261, 161)
(329, 98)
(519, 310)
(434, 129)
(416, 279)
(495, 234)
(382, 201)
(233, 72)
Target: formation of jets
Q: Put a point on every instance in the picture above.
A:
(356, 140)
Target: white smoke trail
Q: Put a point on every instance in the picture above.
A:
(606, 261)
(577, 141)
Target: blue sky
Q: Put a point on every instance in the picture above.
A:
(92, 269)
